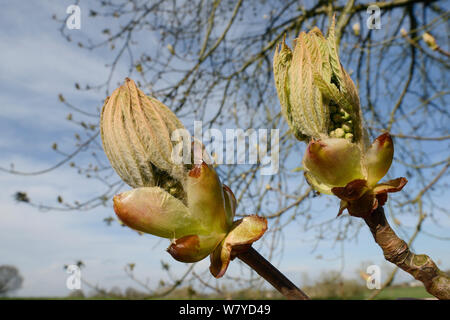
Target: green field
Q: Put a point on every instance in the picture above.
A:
(391, 293)
(403, 292)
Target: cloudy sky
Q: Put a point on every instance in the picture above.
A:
(36, 65)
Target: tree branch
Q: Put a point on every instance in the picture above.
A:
(396, 251)
(390, 279)
(266, 270)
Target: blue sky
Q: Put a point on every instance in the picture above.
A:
(36, 65)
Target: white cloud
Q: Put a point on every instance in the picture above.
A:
(40, 243)
(38, 64)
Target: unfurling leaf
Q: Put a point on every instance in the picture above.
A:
(184, 202)
(243, 233)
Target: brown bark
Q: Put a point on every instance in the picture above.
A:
(396, 251)
(266, 270)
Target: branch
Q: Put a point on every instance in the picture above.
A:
(266, 270)
(59, 164)
(428, 186)
(396, 251)
(294, 204)
(390, 279)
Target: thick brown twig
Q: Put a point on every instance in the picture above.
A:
(396, 251)
(266, 270)
(391, 277)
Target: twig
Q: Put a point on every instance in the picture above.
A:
(390, 279)
(396, 251)
(175, 285)
(266, 270)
